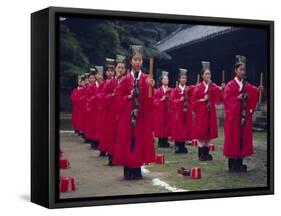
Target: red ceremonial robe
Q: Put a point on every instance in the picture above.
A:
(114, 113)
(91, 112)
(205, 123)
(73, 99)
(84, 108)
(144, 151)
(232, 128)
(182, 131)
(162, 113)
(107, 105)
(81, 103)
(99, 101)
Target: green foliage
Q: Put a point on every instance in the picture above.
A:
(85, 42)
(72, 60)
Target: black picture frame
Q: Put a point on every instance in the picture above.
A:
(45, 114)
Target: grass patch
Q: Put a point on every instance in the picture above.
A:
(214, 173)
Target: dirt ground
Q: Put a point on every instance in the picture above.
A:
(94, 178)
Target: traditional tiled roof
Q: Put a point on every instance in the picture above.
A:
(191, 35)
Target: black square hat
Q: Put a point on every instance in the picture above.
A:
(165, 73)
(136, 49)
(183, 71)
(99, 69)
(109, 63)
(239, 59)
(120, 59)
(205, 65)
(93, 70)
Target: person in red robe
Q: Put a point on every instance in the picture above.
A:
(99, 100)
(240, 100)
(75, 108)
(205, 97)
(95, 109)
(81, 105)
(114, 108)
(163, 111)
(182, 110)
(105, 101)
(91, 114)
(135, 145)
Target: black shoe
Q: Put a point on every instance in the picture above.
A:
(230, 164)
(200, 154)
(129, 173)
(102, 154)
(238, 166)
(166, 144)
(234, 165)
(126, 173)
(177, 148)
(160, 142)
(180, 148)
(136, 173)
(96, 144)
(208, 156)
(92, 143)
(82, 135)
(241, 167)
(183, 149)
(110, 157)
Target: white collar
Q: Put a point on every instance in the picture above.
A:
(132, 73)
(206, 86)
(165, 89)
(240, 83)
(97, 83)
(181, 87)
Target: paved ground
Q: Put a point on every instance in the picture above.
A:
(94, 178)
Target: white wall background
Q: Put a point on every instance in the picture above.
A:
(15, 106)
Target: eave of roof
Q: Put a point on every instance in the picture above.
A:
(191, 35)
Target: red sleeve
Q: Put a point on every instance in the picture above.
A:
(121, 94)
(157, 97)
(231, 102)
(175, 98)
(217, 94)
(108, 94)
(196, 96)
(190, 93)
(148, 101)
(253, 96)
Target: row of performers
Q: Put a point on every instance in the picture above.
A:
(119, 114)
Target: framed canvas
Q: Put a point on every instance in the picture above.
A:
(134, 107)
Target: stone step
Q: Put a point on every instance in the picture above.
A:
(262, 125)
(261, 119)
(257, 129)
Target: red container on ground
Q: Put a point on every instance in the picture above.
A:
(67, 184)
(195, 173)
(64, 163)
(160, 159)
